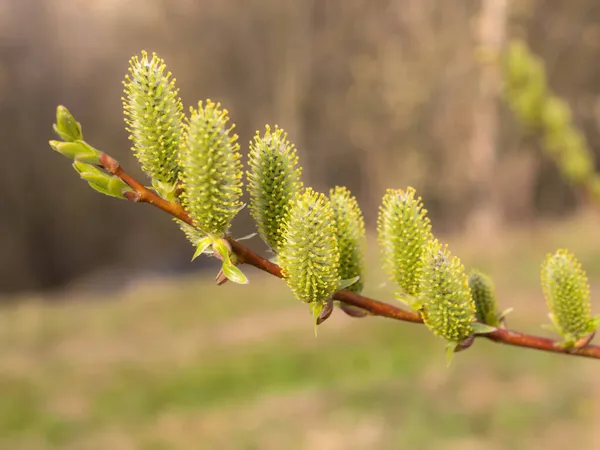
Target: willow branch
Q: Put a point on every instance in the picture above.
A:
(374, 307)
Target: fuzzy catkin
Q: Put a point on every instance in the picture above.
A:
(309, 254)
(448, 310)
(484, 297)
(567, 293)
(273, 180)
(403, 231)
(154, 117)
(211, 169)
(350, 236)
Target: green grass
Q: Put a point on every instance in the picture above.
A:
(187, 365)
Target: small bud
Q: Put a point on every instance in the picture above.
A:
(353, 311)
(567, 293)
(77, 151)
(101, 181)
(66, 126)
(325, 312)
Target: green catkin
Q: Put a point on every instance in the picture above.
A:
(567, 294)
(534, 104)
(211, 170)
(403, 231)
(484, 297)
(273, 180)
(448, 310)
(309, 254)
(154, 118)
(350, 236)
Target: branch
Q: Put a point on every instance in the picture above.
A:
(374, 307)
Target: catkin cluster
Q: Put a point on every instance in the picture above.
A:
(318, 240)
(530, 98)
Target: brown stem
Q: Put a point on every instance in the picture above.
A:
(374, 307)
(144, 195)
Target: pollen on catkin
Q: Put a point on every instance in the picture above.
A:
(273, 180)
(154, 118)
(566, 289)
(309, 254)
(211, 169)
(448, 310)
(350, 235)
(403, 231)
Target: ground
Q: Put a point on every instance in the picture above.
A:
(183, 364)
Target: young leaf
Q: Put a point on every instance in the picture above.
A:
(211, 170)
(350, 236)
(201, 246)
(78, 151)
(222, 251)
(403, 231)
(273, 180)
(309, 254)
(66, 126)
(448, 310)
(101, 181)
(567, 293)
(154, 114)
(234, 274)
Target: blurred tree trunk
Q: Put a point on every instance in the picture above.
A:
(485, 217)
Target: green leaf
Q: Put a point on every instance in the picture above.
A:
(77, 151)
(345, 284)
(101, 181)
(203, 244)
(481, 328)
(66, 126)
(505, 313)
(222, 249)
(234, 274)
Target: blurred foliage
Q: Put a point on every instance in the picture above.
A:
(373, 93)
(529, 96)
(159, 368)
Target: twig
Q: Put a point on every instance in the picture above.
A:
(374, 307)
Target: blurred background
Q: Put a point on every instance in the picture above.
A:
(111, 338)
